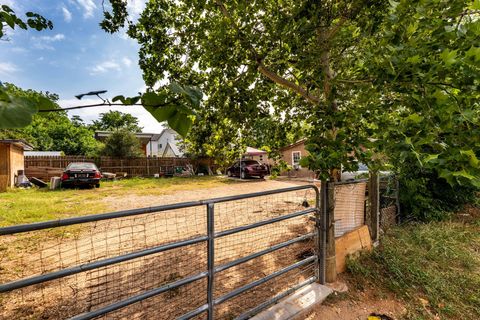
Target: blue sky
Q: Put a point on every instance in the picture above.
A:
(75, 57)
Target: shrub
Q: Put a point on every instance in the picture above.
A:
(122, 143)
(425, 196)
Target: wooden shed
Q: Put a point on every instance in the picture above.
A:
(11, 160)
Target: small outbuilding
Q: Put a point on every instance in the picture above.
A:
(11, 161)
(256, 154)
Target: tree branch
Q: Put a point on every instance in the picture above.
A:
(106, 105)
(261, 66)
(354, 81)
(286, 83)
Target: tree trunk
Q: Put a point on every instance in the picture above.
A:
(330, 263)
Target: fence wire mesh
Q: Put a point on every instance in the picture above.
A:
(349, 207)
(39, 252)
(389, 202)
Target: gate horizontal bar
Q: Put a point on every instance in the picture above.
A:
(258, 282)
(97, 264)
(148, 294)
(194, 313)
(263, 252)
(350, 182)
(94, 217)
(126, 213)
(264, 222)
(249, 313)
(275, 299)
(261, 193)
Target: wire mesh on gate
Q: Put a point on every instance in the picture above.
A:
(41, 252)
(389, 201)
(349, 207)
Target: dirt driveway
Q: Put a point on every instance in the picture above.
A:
(246, 186)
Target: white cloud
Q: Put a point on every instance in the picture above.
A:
(57, 37)
(7, 68)
(12, 4)
(127, 62)
(19, 50)
(106, 66)
(135, 7)
(88, 7)
(111, 65)
(67, 15)
(44, 42)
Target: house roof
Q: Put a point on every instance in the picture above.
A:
(254, 152)
(169, 130)
(172, 147)
(19, 143)
(299, 142)
(43, 153)
(142, 136)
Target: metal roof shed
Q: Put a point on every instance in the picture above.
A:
(254, 152)
(11, 160)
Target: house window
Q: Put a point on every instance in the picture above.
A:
(159, 146)
(296, 155)
(261, 158)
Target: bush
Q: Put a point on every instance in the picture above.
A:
(122, 143)
(425, 196)
(278, 168)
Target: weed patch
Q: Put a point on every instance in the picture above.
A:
(434, 268)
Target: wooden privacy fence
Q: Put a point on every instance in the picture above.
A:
(45, 167)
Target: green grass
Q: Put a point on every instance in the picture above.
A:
(25, 206)
(434, 268)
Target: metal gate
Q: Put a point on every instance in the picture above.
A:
(189, 253)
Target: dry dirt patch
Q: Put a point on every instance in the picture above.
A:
(131, 201)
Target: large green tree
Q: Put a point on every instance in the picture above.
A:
(115, 120)
(362, 73)
(52, 131)
(353, 70)
(254, 57)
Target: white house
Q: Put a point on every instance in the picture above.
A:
(164, 144)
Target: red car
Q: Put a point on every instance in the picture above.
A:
(81, 174)
(247, 168)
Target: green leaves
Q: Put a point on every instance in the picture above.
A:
(126, 101)
(174, 104)
(18, 107)
(15, 111)
(475, 5)
(473, 52)
(192, 94)
(449, 56)
(10, 19)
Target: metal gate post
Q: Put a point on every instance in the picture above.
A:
(210, 259)
(320, 225)
(329, 211)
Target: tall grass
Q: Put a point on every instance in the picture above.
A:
(434, 268)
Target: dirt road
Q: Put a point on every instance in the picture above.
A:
(248, 186)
